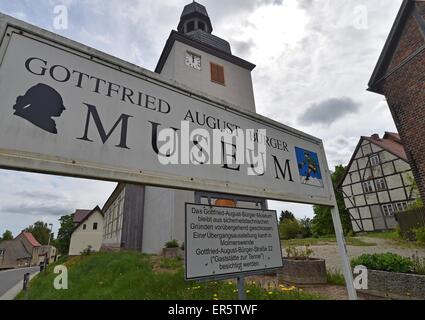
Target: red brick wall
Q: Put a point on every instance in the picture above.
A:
(412, 40)
(404, 89)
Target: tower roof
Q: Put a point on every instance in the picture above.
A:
(194, 7)
(195, 30)
(194, 11)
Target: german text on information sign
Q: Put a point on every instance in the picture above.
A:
(223, 241)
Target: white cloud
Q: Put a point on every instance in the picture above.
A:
(28, 197)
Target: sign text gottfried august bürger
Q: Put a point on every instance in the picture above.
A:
(62, 104)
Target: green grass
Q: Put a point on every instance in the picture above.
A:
(395, 238)
(170, 264)
(353, 241)
(335, 278)
(135, 276)
(386, 235)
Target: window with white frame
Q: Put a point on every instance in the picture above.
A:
(401, 206)
(388, 209)
(368, 186)
(380, 184)
(374, 160)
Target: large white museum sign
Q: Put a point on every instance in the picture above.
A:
(68, 109)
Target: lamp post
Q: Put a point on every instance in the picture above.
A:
(47, 257)
(50, 233)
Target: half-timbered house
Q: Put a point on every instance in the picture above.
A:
(378, 183)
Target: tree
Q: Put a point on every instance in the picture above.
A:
(64, 233)
(40, 231)
(306, 227)
(289, 229)
(322, 223)
(286, 215)
(7, 235)
(418, 203)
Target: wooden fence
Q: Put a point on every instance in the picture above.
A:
(409, 220)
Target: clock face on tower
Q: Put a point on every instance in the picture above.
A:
(193, 60)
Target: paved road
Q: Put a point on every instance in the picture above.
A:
(10, 278)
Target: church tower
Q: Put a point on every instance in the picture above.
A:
(200, 60)
(193, 56)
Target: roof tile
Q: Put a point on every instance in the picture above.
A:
(80, 215)
(391, 142)
(33, 241)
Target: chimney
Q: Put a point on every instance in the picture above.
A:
(375, 136)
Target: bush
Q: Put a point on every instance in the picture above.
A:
(172, 244)
(299, 254)
(306, 227)
(418, 264)
(384, 262)
(289, 229)
(335, 277)
(87, 251)
(398, 231)
(420, 235)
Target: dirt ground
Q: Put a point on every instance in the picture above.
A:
(330, 292)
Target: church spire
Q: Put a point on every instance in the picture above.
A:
(194, 17)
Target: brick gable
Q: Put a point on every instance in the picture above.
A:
(410, 41)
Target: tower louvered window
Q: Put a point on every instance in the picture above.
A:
(217, 73)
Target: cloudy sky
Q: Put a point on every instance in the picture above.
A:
(314, 59)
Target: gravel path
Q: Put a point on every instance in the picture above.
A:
(333, 261)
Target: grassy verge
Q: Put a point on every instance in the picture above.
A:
(386, 235)
(353, 241)
(134, 276)
(395, 238)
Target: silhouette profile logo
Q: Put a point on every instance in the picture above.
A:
(39, 104)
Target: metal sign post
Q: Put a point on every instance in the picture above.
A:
(346, 267)
(26, 284)
(339, 234)
(241, 288)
